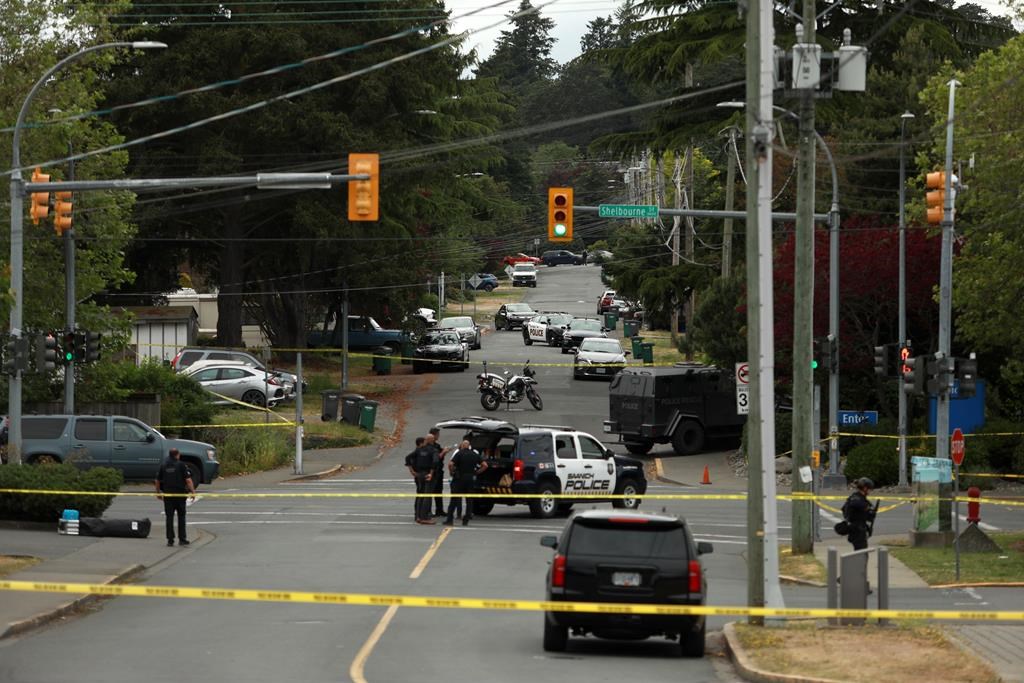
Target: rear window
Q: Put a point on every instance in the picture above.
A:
(630, 540)
(43, 427)
(535, 447)
(91, 430)
(188, 358)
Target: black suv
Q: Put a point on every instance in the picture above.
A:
(547, 461)
(626, 557)
(560, 256)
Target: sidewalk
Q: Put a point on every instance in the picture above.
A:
(688, 470)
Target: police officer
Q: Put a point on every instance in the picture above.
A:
(463, 466)
(421, 466)
(859, 513)
(410, 463)
(437, 481)
(174, 477)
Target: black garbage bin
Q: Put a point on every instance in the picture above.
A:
(382, 360)
(329, 399)
(350, 407)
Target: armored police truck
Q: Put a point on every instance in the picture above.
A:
(680, 405)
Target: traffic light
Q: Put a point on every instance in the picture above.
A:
(46, 353)
(559, 214)
(905, 352)
(833, 354)
(882, 360)
(68, 349)
(940, 374)
(936, 199)
(62, 208)
(40, 200)
(91, 351)
(914, 375)
(967, 375)
(820, 354)
(363, 195)
(15, 355)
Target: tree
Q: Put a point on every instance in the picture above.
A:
(522, 55)
(719, 324)
(601, 34)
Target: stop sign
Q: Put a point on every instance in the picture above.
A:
(957, 451)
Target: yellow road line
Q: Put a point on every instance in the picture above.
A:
(355, 671)
(427, 556)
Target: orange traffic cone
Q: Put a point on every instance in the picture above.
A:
(707, 476)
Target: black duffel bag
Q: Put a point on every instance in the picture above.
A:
(116, 528)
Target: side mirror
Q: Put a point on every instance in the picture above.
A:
(704, 548)
(609, 453)
(627, 353)
(150, 437)
(549, 541)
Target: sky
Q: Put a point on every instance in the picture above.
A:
(571, 18)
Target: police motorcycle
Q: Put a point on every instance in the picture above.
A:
(507, 388)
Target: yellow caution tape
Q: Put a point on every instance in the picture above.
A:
(227, 426)
(379, 600)
(987, 474)
(922, 436)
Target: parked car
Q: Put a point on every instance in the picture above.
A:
(469, 332)
(524, 275)
(520, 258)
(580, 329)
(188, 356)
(558, 257)
(546, 327)
(597, 357)
(604, 301)
(364, 334)
(440, 349)
(511, 316)
(626, 557)
(488, 282)
(627, 310)
(230, 383)
(117, 441)
(599, 256)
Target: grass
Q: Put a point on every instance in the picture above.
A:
(487, 303)
(936, 565)
(12, 564)
(804, 566)
(890, 653)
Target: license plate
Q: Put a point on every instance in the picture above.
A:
(600, 371)
(436, 362)
(608, 428)
(626, 579)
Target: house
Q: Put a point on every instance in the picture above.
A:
(159, 331)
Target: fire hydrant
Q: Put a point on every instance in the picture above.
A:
(973, 505)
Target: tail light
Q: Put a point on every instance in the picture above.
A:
(174, 361)
(695, 583)
(273, 382)
(558, 571)
(517, 470)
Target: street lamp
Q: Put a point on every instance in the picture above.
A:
(17, 234)
(902, 427)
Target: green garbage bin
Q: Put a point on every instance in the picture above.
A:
(638, 352)
(630, 328)
(610, 319)
(368, 415)
(648, 352)
(408, 349)
(382, 361)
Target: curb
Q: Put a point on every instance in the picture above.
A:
(982, 584)
(316, 475)
(796, 580)
(659, 471)
(747, 670)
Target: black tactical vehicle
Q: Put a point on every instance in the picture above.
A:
(679, 405)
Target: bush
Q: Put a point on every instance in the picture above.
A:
(977, 458)
(1000, 449)
(242, 451)
(878, 460)
(64, 477)
(783, 432)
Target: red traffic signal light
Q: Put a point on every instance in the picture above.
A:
(40, 200)
(363, 195)
(560, 214)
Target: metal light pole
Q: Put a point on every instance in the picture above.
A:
(17, 233)
(902, 427)
(946, 287)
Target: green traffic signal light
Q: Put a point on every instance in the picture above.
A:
(814, 364)
(68, 356)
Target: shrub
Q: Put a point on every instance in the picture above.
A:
(1000, 449)
(63, 477)
(242, 451)
(977, 458)
(1017, 466)
(783, 431)
(878, 460)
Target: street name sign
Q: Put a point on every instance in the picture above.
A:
(852, 418)
(627, 211)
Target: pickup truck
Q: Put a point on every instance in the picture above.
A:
(123, 443)
(364, 333)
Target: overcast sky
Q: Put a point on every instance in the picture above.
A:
(571, 17)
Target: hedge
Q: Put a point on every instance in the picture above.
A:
(64, 477)
(878, 460)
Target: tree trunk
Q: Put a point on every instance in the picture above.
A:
(232, 279)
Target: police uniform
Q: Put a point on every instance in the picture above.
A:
(174, 478)
(437, 482)
(465, 464)
(422, 461)
(858, 513)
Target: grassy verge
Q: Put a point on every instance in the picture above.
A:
(805, 566)
(486, 303)
(12, 564)
(863, 654)
(937, 565)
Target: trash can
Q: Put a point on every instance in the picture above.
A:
(382, 361)
(408, 349)
(350, 408)
(610, 320)
(368, 415)
(630, 328)
(329, 399)
(638, 351)
(647, 350)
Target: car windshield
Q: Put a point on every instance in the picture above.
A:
(439, 338)
(525, 266)
(462, 321)
(591, 325)
(601, 345)
(559, 319)
(629, 540)
(519, 308)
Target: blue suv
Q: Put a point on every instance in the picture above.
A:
(488, 282)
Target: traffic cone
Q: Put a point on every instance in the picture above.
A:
(707, 476)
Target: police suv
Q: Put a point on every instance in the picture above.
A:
(546, 461)
(547, 328)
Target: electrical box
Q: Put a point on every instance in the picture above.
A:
(853, 68)
(806, 66)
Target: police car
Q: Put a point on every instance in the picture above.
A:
(547, 328)
(546, 461)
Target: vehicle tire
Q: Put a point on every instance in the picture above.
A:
(535, 399)
(691, 643)
(545, 508)
(555, 637)
(527, 340)
(254, 397)
(464, 364)
(195, 473)
(640, 448)
(497, 326)
(488, 288)
(417, 368)
(565, 350)
(44, 459)
(489, 400)
(688, 438)
(575, 375)
(564, 509)
(629, 488)
(482, 507)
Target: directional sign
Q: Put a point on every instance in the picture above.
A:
(852, 418)
(743, 373)
(958, 451)
(742, 388)
(627, 211)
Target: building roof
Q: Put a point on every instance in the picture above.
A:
(162, 313)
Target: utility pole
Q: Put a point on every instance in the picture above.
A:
(69, 298)
(946, 287)
(902, 426)
(344, 338)
(730, 193)
(762, 526)
(677, 224)
(803, 303)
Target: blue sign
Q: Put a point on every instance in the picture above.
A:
(855, 418)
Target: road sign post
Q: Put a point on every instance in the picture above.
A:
(957, 451)
(742, 388)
